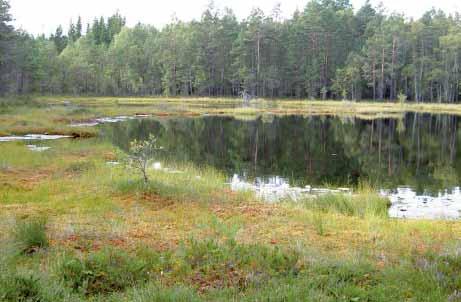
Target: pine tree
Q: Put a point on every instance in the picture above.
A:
(59, 39)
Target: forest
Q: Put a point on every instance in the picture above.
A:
(328, 50)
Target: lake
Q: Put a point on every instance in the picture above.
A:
(415, 159)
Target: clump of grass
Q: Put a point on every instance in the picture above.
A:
(319, 223)
(103, 272)
(158, 293)
(360, 205)
(30, 235)
(20, 288)
(218, 265)
(29, 285)
(444, 268)
(80, 111)
(80, 167)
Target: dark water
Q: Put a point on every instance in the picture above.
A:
(418, 151)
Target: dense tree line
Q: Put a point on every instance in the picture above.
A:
(328, 50)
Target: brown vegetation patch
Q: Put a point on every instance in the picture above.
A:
(109, 156)
(81, 134)
(61, 120)
(85, 245)
(192, 114)
(23, 179)
(162, 114)
(157, 202)
(259, 210)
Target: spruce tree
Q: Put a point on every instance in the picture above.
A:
(6, 46)
(59, 39)
(78, 28)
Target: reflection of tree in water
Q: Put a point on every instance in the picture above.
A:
(419, 150)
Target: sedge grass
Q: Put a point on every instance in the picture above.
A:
(29, 236)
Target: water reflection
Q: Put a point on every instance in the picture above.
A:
(418, 151)
(274, 189)
(406, 203)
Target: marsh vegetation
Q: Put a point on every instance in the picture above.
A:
(132, 197)
(76, 226)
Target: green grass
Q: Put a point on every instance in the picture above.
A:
(183, 182)
(9, 104)
(20, 288)
(319, 222)
(212, 271)
(222, 269)
(54, 115)
(361, 205)
(446, 267)
(29, 236)
(102, 272)
(157, 293)
(110, 237)
(223, 265)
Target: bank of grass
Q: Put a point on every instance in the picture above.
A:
(186, 237)
(216, 270)
(180, 182)
(361, 205)
(276, 106)
(54, 115)
(24, 119)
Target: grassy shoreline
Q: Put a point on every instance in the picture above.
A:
(187, 237)
(266, 106)
(54, 115)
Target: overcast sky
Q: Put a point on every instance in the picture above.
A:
(43, 16)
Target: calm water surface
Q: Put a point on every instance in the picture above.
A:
(415, 160)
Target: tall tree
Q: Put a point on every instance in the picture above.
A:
(6, 37)
(324, 51)
(60, 41)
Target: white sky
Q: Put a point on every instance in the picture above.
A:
(43, 16)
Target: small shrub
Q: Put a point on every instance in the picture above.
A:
(103, 272)
(30, 236)
(402, 97)
(141, 154)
